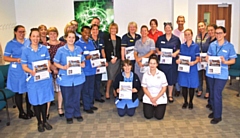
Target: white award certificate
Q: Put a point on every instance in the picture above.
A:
(102, 68)
(41, 69)
(166, 56)
(74, 65)
(184, 64)
(203, 64)
(129, 51)
(95, 62)
(145, 65)
(214, 65)
(125, 90)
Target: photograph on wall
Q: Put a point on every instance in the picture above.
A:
(86, 10)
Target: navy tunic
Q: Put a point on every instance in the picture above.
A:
(189, 80)
(170, 70)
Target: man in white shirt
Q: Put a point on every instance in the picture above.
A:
(179, 32)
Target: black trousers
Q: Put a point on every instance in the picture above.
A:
(157, 111)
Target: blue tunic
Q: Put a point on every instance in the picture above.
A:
(87, 47)
(39, 92)
(169, 70)
(61, 58)
(189, 80)
(128, 40)
(16, 79)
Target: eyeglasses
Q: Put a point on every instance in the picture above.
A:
(217, 33)
(21, 32)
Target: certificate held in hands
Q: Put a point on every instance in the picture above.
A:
(214, 65)
(145, 65)
(74, 65)
(95, 60)
(166, 56)
(125, 90)
(184, 64)
(130, 53)
(203, 64)
(41, 69)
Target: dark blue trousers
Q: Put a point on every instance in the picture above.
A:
(216, 87)
(126, 110)
(87, 92)
(97, 86)
(71, 96)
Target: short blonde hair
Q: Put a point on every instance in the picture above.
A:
(112, 25)
(66, 27)
(132, 23)
(42, 26)
(52, 29)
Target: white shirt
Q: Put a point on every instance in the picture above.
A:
(154, 85)
(180, 35)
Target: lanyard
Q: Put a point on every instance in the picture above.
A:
(96, 45)
(202, 40)
(217, 51)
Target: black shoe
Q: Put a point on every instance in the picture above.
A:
(79, 119)
(184, 106)
(199, 94)
(69, 120)
(41, 128)
(60, 114)
(210, 115)
(208, 106)
(215, 120)
(170, 101)
(30, 113)
(47, 117)
(190, 106)
(177, 93)
(52, 103)
(89, 111)
(23, 116)
(47, 126)
(100, 100)
(94, 108)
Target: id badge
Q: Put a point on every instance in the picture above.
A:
(14, 65)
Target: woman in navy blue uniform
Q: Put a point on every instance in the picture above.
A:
(71, 85)
(225, 50)
(98, 44)
(169, 41)
(16, 79)
(129, 39)
(127, 106)
(39, 92)
(189, 81)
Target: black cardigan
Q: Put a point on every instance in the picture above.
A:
(108, 47)
(136, 84)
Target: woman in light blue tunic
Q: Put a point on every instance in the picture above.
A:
(16, 79)
(39, 92)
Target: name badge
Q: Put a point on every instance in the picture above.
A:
(162, 42)
(131, 40)
(43, 55)
(14, 65)
(86, 52)
(225, 51)
(48, 47)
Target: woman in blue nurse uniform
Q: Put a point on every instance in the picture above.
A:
(71, 85)
(39, 92)
(16, 79)
(169, 41)
(225, 50)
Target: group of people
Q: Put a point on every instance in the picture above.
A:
(152, 82)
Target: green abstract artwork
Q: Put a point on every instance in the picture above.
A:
(86, 10)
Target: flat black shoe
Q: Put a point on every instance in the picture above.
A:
(199, 95)
(94, 108)
(52, 103)
(190, 106)
(215, 120)
(62, 114)
(47, 116)
(184, 106)
(210, 115)
(69, 120)
(107, 98)
(170, 101)
(30, 113)
(79, 119)
(41, 128)
(23, 116)
(89, 111)
(47, 126)
(177, 93)
(100, 100)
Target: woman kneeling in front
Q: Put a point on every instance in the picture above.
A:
(129, 81)
(154, 84)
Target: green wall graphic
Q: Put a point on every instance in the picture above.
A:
(85, 11)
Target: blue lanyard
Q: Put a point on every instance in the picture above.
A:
(217, 51)
(96, 45)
